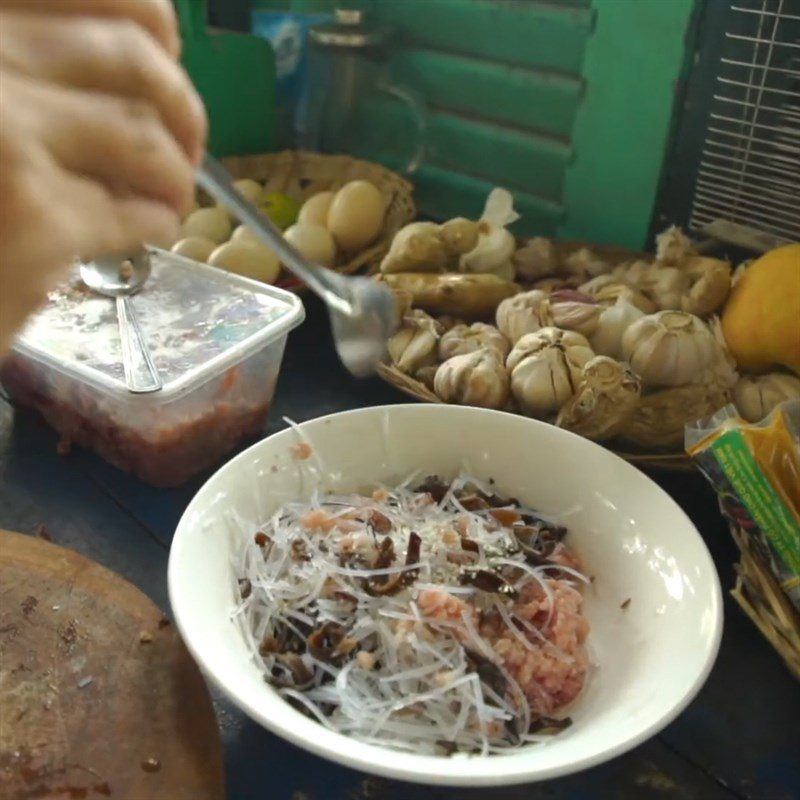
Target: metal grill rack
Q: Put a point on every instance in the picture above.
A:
(749, 171)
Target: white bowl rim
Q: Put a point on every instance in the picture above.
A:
(383, 761)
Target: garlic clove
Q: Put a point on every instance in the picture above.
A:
(611, 326)
(495, 244)
(493, 250)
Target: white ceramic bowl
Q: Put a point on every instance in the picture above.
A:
(652, 657)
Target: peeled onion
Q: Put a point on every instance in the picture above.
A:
(356, 215)
(248, 258)
(314, 242)
(315, 209)
(198, 248)
(208, 223)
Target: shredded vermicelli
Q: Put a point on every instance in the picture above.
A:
(432, 617)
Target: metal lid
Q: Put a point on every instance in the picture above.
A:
(349, 29)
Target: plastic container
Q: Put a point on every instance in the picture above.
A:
(216, 338)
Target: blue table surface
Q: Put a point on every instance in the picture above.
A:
(740, 738)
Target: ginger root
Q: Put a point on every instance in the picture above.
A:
(428, 247)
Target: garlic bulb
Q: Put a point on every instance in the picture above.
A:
(612, 292)
(535, 259)
(584, 262)
(594, 285)
(574, 311)
(415, 344)
(495, 244)
(660, 417)
(474, 379)
(606, 396)
(611, 325)
(463, 339)
(756, 396)
(554, 284)
(545, 368)
(606, 289)
(672, 246)
(669, 348)
(523, 313)
(710, 285)
(665, 286)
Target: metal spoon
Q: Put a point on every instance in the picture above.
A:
(120, 278)
(363, 311)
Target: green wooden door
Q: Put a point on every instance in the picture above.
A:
(567, 103)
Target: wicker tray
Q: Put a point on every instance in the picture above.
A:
(762, 599)
(301, 175)
(674, 461)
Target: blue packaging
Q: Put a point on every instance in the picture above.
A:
(288, 34)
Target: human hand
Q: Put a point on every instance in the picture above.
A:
(100, 130)
(157, 17)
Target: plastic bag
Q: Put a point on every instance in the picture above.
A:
(755, 470)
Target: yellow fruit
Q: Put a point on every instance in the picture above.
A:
(281, 209)
(761, 320)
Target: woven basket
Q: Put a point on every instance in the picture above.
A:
(677, 462)
(673, 461)
(762, 599)
(301, 175)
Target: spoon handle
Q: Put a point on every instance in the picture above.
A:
(141, 374)
(330, 287)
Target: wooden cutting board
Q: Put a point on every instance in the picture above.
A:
(98, 695)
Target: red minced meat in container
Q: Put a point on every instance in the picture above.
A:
(217, 340)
